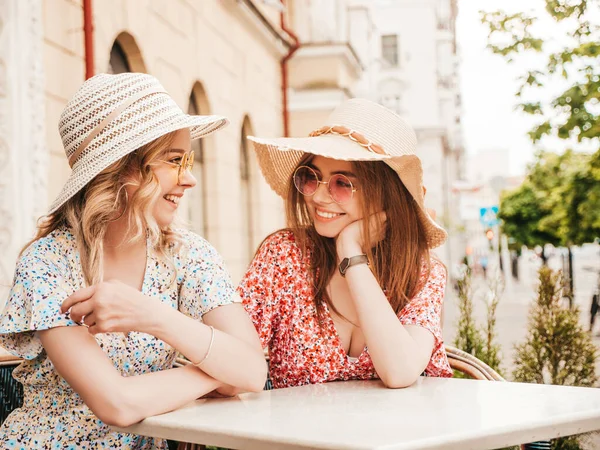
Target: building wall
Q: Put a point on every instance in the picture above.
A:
(218, 44)
(415, 25)
(327, 69)
(23, 152)
(422, 88)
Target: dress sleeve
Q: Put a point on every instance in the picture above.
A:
(38, 290)
(262, 285)
(206, 283)
(425, 310)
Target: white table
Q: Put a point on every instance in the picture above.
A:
(434, 413)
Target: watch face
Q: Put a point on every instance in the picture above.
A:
(347, 262)
(344, 265)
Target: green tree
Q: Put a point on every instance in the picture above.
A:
(546, 208)
(560, 203)
(571, 57)
(521, 212)
(468, 337)
(556, 350)
(479, 342)
(551, 205)
(584, 196)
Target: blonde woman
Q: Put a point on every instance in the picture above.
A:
(110, 290)
(350, 290)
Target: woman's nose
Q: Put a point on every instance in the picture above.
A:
(322, 195)
(189, 180)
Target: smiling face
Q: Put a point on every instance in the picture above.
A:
(328, 217)
(166, 172)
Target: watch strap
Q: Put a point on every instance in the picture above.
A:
(352, 261)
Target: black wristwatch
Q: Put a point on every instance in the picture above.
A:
(354, 260)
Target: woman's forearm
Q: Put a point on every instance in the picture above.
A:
(397, 358)
(228, 354)
(159, 392)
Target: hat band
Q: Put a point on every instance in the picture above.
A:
(96, 131)
(353, 135)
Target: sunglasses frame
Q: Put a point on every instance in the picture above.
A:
(319, 182)
(186, 163)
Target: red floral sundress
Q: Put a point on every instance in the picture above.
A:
(278, 295)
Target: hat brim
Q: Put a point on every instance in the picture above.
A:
(279, 157)
(199, 126)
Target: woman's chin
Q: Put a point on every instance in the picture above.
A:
(164, 220)
(326, 230)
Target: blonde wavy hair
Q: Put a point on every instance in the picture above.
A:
(104, 199)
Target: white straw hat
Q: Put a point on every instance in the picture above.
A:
(357, 130)
(111, 116)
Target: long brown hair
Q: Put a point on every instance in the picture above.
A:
(396, 261)
(88, 213)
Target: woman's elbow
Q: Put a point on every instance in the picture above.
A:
(257, 383)
(397, 384)
(117, 416)
(115, 410)
(399, 380)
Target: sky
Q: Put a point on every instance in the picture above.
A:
(488, 84)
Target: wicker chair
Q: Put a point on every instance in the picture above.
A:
(11, 391)
(471, 366)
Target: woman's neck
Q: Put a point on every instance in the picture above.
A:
(118, 238)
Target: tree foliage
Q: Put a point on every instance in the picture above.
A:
(572, 56)
(557, 350)
(555, 203)
(559, 203)
(479, 342)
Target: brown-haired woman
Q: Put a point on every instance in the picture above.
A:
(349, 290)
(110, 290)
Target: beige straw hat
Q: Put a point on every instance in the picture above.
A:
(357, 130)
(111, 116)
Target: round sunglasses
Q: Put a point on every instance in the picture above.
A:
(186, 163)
(339, 186)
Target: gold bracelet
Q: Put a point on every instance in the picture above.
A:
(212, 339)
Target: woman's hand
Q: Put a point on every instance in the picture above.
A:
(111, 306)
(350, 241)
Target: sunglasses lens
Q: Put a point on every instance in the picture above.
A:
(190, 161)
(305, 180)
(187, 163)
(340, 188)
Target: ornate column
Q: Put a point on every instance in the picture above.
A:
(23, 151)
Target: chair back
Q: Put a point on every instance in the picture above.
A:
(470, 365)
(11, 391)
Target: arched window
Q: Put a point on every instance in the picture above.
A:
(198, 215)
(125, 55)
(118, 60)
(246, 188)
